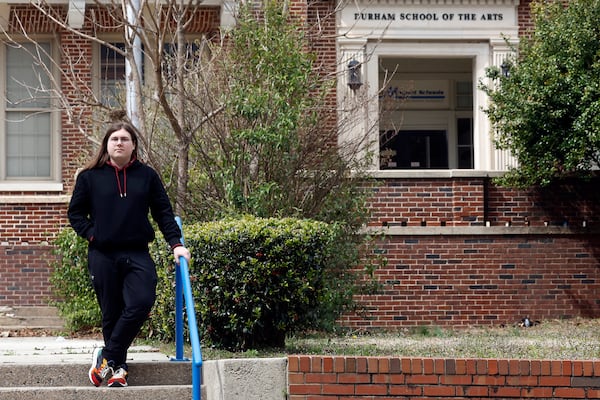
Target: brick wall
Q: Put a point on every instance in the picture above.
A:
(462, 251)
(25, 224)
(460, 280)
(24, 273)
(26, 235)
(525, 20)
(473, 201)
(382, 378)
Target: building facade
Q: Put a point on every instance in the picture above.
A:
(459, 249)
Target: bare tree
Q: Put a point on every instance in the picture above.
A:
(243, 121)
(158, 31)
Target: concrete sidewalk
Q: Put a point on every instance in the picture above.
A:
(59, 350)
(24, 363)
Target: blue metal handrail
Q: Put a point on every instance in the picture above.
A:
(183, 290)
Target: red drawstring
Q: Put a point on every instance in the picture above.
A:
(122, 193)
(124, 182)
(122, 190)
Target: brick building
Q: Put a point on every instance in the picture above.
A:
(460, 250)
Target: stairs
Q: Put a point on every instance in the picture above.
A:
(51, 367)
(39, 317)
(155, 380)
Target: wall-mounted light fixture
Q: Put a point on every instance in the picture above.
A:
(354, 75)
(505, 68)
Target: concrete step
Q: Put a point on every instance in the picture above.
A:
(56, 368)
(155, 373)
(22, 317)
(163, 392)
(15, 323)
(157, 380)
(36, 311)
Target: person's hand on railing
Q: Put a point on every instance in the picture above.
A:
(181, 251)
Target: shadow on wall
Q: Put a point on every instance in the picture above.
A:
(574, 205)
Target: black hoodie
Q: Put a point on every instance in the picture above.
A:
(110, 206)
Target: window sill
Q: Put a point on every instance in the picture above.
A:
(430, 173)
(22, 187)
(479, 230)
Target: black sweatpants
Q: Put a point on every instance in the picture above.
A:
(125, 285)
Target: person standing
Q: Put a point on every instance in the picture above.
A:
(112, 197)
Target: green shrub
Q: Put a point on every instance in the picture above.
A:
(161, 324)
(71, 283)
(256, 280)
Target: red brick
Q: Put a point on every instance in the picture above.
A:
(546, 370)
(462, 380)
(428, 367)
(421, 379)
(588, 368)
(293, 363)
(327, 364)
(522, 380)
(304, 389)
(384, 365)
(487, 380)
(373, 390)
(499, 391)
(337, 389)
(319, 377)
(316, 364)
(405, 390)
(536, 367)
(472, 391)
(439, 391)
(569, 393)
(295, 378)
(348, 378)
(537, 392)
(555, 381)
(304, 364)
(503, 367)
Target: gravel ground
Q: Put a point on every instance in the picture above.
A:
(564, 339)
(552, 339)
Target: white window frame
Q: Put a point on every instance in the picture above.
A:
(479, 52)
(433, 117)
(32, 184)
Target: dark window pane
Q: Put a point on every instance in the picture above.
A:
(464, 127)
(414, 150)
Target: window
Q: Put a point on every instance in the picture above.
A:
(464, 146)
(464, 95)
(29, 139)
(422, 149)
(192, 53)
(112, 74)
(464, 125)
(426, 113)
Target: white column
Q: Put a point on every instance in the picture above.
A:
(354, 125)
(502, 52)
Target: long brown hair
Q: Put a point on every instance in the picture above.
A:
(101, 156)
